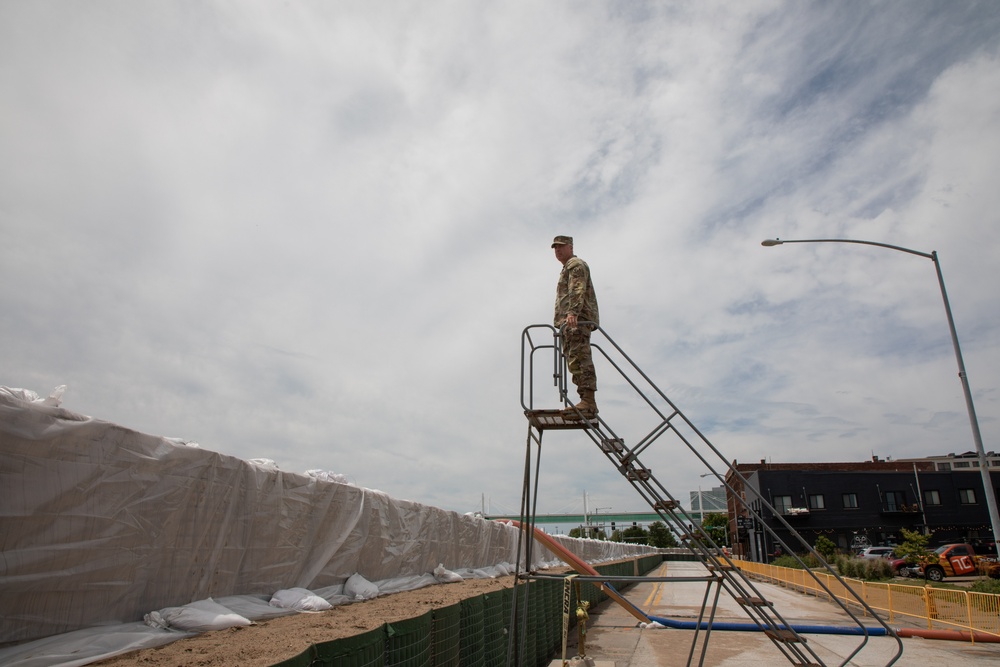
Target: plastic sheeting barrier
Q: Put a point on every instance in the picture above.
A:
(100, 524)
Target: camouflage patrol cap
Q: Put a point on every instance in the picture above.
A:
(562, 240)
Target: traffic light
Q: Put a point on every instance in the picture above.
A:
(612, 526)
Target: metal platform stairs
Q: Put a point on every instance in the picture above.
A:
(664, 434)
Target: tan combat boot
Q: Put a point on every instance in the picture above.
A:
(587, 406)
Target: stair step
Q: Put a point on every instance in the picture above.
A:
(634, 474)
(557, 420)
(723, 567)
(616, 445)
(784, 636)
(755, 602)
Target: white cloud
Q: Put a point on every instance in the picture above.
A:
(313, 232)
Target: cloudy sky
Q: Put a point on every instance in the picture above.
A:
(314, 231)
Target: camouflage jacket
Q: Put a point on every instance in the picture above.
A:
(575, 293)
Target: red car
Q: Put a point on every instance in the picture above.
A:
(898, 564)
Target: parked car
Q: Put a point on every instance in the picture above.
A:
(875, 552)
(957, 559)
(899, 566)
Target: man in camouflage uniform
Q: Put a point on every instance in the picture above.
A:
(576, 302)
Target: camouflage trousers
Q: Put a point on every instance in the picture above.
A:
(576, 349)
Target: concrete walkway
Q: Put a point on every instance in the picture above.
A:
(613, 637)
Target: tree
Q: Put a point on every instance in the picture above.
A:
(635, 535)
(660, 536)
(913, 547)
(716, 524)
(591, 533)
(825, 546)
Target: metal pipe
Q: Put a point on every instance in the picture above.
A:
(920, 499)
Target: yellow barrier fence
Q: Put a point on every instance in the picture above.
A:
(938, 608)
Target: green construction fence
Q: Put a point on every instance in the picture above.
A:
(472, 633)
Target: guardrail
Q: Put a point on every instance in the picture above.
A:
(939, 608)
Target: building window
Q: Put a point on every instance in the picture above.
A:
(967, 496)
(850, 501)
(816, 502)
(932, 497)
(782, 504)
(944, 466)
(961, 464)
(895, 501)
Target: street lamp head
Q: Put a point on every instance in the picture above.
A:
(767, 243)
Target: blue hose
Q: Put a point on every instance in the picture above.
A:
(753, 627)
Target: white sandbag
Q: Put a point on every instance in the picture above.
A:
(53, 400)
(20, 394)
(199, 616)
(182, 442)
(16, 397)
(401, 584)
(299, 599)
(254, 607)
(444, 576)
(328, 476)
(359, 588)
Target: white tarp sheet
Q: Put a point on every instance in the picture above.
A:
(100, 525)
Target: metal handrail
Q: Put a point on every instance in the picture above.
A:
(626, 459)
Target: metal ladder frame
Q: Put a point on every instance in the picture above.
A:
(626, 460)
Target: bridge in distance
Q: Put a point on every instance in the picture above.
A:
(624, 518)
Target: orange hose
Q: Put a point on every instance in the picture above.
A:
(953, 635)
(582, 567)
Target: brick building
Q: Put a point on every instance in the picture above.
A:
(857, 503)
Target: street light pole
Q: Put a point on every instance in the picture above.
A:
(991, 501)
(701, 501)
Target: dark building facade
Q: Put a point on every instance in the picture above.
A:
(856, 504)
